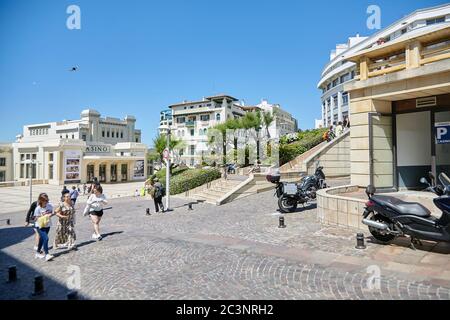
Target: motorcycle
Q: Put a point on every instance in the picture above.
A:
(388, 217)
(290, 195)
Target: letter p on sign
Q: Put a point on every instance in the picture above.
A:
(441, 132)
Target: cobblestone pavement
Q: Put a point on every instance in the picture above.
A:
(235, 251)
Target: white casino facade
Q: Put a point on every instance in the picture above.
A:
(76, 151)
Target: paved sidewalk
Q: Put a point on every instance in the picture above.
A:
(235, 251)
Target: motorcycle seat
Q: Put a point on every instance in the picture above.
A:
(403, 207)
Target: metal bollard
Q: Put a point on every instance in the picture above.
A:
(38, 285)
(281, 223)
(148, 212)
(8, 222)
(190, 206)
(12, 274)
(72, 295)
(360, 241)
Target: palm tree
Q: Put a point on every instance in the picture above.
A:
(160, 144)
(267, 120)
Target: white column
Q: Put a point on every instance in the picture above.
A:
(340, 106)
(331, 109)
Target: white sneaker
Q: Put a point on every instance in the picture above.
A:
(35, 248)
(48, 257)
(94, 236)
(39, 255)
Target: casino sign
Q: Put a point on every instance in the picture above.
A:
(98, 149)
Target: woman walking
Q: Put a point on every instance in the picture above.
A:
(42, 215)
(65, 230)
(95, 209)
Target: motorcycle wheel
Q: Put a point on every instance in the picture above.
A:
(385, 238)
(312, 190)
(287, 204)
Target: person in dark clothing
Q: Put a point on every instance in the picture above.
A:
(64, 192)
(158, 195)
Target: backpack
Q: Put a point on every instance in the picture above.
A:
(160, 191)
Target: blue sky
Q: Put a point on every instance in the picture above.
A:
(137, 57)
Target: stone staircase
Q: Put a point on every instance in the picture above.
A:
(297, 165)
(217, 189)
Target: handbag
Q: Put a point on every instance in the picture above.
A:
(43, 221)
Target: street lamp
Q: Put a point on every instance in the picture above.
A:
(31, 162)
(167, 158)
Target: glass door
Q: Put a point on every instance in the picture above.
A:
(442, 142)
(90, 172)
(102, 172)
(114, 173)
(124, 171)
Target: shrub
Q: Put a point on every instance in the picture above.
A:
(307, 140)
(191, 178)
(161, 174)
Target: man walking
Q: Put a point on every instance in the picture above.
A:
(74, 195)
(159, 193)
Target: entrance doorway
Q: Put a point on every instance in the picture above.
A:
(102, 172)
(114, 173)
(124, 172)
(90, 172)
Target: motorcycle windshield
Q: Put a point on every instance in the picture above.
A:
(445, 180)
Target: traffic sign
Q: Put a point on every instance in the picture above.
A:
(166, 154)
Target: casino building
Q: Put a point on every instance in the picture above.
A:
(76, 151)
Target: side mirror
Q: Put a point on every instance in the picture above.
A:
(370, 190)
(423, 180)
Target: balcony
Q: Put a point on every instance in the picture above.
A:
(190, 123)
(424, 47)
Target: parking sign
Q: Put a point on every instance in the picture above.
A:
(442, 132)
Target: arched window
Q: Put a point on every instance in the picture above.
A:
(218, 117)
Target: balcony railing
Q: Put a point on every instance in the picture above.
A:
(190, 123)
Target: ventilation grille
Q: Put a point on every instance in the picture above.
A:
(426, 102)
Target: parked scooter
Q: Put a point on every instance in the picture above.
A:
(290, 195)
(388, 217)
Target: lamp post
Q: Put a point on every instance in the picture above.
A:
(168, 170)
(31, 162)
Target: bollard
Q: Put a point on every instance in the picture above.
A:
(190, 206)
(72, 295)
(281, 221)
(360, 241)
(8, 222)
(38, 285)
(12, 274)
(148, 212)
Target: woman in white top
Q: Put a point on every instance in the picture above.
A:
(95, 209)
(42, 216)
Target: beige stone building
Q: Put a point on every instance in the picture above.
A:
(400, 107)
(76, 151)
(6, 162)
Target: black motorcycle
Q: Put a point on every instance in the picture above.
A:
(388, 217)
(290, 195)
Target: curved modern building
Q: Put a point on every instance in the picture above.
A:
(335, 100)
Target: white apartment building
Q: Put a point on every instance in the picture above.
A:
(283, 123)
(192, 120)
(76, 151)
(335, 101)
(6, 162)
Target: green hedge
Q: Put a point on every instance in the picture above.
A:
(161, 174)
(308, 140)
(190, 179)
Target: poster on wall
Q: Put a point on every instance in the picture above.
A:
(72, 166)
(139, 169)
(442, 132)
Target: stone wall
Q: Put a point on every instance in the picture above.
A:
(333, 209)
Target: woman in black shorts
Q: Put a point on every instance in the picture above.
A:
(95, 209)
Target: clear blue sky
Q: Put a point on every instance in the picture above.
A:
(137, 57)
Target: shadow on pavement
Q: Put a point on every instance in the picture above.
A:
(429, 246)
(23, 287)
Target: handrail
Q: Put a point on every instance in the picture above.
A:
(387, 70)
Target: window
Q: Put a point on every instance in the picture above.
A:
(84, 137)
(192, 150)
(404, 31)
(435, 20)
(50, 157)
(345, 98)
(50, 172)
(181, 119)
(73, 136)
(192, 132)
(33, 156)
(345, 77)
(192, 107)
(218, 117)
(22, 171)
(329, 86)
(2, 176)
(121, 135)
(335, 101)
(353, 74)
(103, 133)
(137, 140)
(107, 134)
(2, 162)
(335, 82)
(22, 157)
(67, 136)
